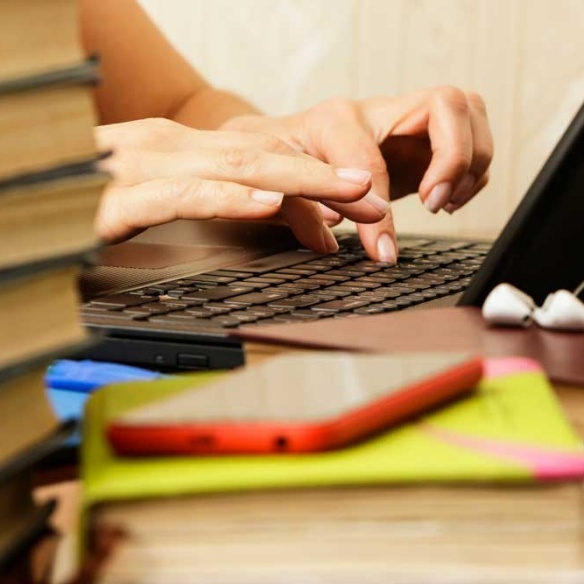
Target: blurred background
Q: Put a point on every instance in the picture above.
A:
(526, 57)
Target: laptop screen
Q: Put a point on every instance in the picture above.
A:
(541, 249)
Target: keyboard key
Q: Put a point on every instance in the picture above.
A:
(383, 293)
(409, 256)
(346, 288)
(401, 302)
(442, 290)
(325, 294)
(371, 309)
(367, 282)
(293, 317)
(369, 267)
(415, 298)
(212, 278)
(444, 274)
(282, 276)
(370, 296)
(259, 285)
(455, 286)
(244, 317)
(391, 306)
(179, 292)
(153, 290)
(328, 277)
(343, 304)
(149, 309)
(218, 293)
(298, 271)
(182, 315)
(429, 294)
(333, 261)
(231, 273)
(284, 288)
(218, 307)
(175, 304)
(226, 321)
(200, 312)
(254, 298)
(119, 301)
(378, 278)
(296, 302)
(414, 284)
(318, 266)
(315, 280)
(349, 273)
(400, 273)
(264, 280)
(300, 285)
(433, 279)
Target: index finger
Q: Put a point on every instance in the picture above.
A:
(350, 144)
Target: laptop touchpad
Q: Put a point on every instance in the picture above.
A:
(152, 256)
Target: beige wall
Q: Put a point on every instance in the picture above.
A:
(525, 56)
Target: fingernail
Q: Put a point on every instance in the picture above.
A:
(438, 197)
(270, 198)
(386, 249)
(354, 175)
(330, 241)
(464, 189)
(377, 202)
(450, 208)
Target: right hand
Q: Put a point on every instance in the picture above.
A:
(165, 171)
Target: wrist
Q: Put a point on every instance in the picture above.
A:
(211, 109)
(251, 122)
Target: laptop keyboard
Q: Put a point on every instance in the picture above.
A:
(289, 289)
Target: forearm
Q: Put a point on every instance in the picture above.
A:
(210, 108)
(143, 76)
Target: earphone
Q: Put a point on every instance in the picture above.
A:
(507, 305)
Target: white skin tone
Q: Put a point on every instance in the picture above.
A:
(183, 149)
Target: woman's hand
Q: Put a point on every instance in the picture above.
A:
(436, 142)
(165, 171)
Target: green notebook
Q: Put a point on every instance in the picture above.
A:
(511, 430)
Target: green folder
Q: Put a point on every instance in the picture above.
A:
(510, 430)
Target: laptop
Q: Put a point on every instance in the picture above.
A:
(168, 298)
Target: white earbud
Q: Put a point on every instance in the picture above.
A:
(509, 306)
(561, 310)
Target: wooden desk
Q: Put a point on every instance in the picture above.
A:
(526, 557)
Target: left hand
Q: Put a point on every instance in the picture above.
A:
(436, 142)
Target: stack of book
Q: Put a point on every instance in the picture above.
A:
(502, 502)
(49, 192)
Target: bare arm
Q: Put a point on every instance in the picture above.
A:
(436, 142)
(143, 75)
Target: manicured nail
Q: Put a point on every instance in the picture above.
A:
(386, 249)
(463, 191)
(377, 202)
(354, 175)
(270, 198)
(330, 241)
(438, 197)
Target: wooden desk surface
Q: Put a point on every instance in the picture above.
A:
(518, 554)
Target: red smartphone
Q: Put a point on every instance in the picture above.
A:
(301, 402)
